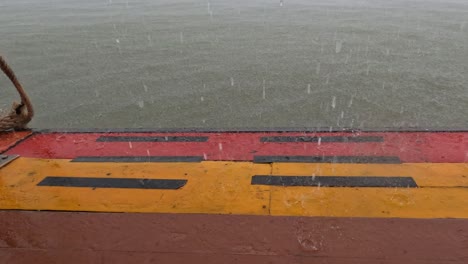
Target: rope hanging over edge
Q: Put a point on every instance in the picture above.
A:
(20, 113)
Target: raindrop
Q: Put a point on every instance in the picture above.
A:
(308, 88)
(130, 145)
(205, 157)
(264, 90)
(181, 38)
(350, 103)
(338, 45)
(118, 45)
(210, 11)
(342, 114)
(319, 141)
(281, 2)
(145, 87)
(202, 99)
(150, 41)
(141, 103)
(333, 104)
(232, 81)
(220, 146)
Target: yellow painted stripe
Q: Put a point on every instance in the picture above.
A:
(225, 188)
(212, 187)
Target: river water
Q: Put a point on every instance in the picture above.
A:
(239, 64)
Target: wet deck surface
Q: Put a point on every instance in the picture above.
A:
(64, 237)
(221, 195)
(394, 147)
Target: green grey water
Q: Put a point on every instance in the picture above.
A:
(242, 64)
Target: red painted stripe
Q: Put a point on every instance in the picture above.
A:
(408, 146)
(10, 138)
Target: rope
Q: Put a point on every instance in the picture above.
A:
(20, 113)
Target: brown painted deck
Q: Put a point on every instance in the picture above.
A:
(73, 237)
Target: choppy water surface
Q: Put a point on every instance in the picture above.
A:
(243, 64)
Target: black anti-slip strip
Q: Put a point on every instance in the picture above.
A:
(325, 139)
(328, 159)
(151, 139)
(139, 159)
(113, 183)
(334, 181)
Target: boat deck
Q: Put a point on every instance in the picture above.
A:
(229, 197)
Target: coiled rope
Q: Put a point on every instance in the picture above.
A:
(20, 113)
